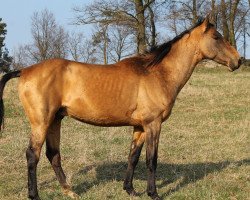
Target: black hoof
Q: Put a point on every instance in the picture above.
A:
(35, 198)
(131, 191)
(154, 196)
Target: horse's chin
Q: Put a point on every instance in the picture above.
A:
(230, 64)
(227, 65)
(232, 67)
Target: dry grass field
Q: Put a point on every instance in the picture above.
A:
(203, 154)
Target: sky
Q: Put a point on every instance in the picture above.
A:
(17, 15)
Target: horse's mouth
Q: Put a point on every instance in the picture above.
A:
(232, 66)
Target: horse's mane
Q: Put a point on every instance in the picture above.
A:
(157, 53)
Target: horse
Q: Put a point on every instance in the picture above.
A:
(138, 91)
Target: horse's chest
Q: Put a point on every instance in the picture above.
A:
(149, 109)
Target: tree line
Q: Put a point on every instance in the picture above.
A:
(5, 59)
(122, 28)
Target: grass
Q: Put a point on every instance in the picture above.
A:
(203, 154)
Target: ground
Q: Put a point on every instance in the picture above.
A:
(203, 153)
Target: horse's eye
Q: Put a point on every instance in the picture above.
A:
(216, 36)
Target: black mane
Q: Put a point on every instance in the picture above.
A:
(159, 52)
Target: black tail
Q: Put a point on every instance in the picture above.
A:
(3, 81)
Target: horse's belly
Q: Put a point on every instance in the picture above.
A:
(111, 114)
(102, 98)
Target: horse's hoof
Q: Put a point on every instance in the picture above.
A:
(131, 191)
(70, 194)
(34, 198)
(154, 196)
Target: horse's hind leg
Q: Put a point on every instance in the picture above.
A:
(135, 151)
(33, 154)
(53, 155)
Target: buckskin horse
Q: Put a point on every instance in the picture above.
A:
(139, 91)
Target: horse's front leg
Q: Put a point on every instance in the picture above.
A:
(152, 139)
(135, 151)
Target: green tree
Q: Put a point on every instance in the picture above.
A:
(5, 59)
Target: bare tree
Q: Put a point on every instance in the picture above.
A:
(214, 11)
(122, 13)
(81, 48)
(225, 27)
(60, 43)
(151, 25)
(172, 19)
(140, 26)
(182, 14)
(88, 52)
(49, 39)
(75, 45)
(101, 41)
(21, 57)
(233, 18)
(228, 15)
(121, 44)
(233, 10)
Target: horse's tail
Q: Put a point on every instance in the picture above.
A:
(5, 78)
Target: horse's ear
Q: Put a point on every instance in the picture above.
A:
(207, 22)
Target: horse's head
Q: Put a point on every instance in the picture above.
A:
(213, 46)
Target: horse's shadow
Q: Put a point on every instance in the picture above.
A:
(176, 175)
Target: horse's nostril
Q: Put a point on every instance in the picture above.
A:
(241, 61)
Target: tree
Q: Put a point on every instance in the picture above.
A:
(5, 59)
(140, 26)
(229, 27)
(49, 39)
(229, 16)
(120, 45)
(151, 25)
(185, 13)
(225, 27)
(81, 48)
(128, 14)
(101, 41)
(21, 57)
(234, 17)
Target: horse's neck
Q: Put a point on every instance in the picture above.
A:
(179, 64)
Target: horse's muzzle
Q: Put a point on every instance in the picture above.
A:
(233, 65)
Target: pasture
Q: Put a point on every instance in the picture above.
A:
(203, 153)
